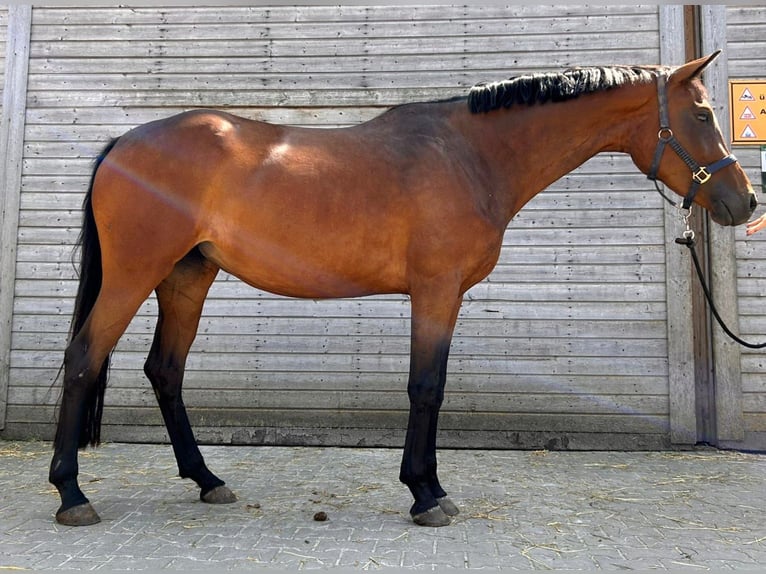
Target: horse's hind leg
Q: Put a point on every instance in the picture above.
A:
(85, 364)
(180, 298)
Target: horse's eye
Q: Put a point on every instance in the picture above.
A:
(703, 117)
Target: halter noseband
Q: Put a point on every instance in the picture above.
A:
(700, 174)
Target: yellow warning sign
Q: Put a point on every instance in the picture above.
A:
(747, 105)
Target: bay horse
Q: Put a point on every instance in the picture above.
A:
(414, 201)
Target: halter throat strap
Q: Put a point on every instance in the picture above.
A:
(665, 137)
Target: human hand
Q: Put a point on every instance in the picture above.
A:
(756, 224)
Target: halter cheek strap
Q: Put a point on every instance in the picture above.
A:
(665, 137)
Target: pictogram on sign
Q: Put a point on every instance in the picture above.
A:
(746, 96)
(748, 134)
(747, 114)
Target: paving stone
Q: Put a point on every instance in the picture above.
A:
(692, 510)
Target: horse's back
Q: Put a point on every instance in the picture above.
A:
(304, 212)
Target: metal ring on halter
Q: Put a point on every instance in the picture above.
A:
(663, 131)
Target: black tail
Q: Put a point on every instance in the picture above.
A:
(90, 273)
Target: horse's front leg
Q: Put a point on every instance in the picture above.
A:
(433, 321)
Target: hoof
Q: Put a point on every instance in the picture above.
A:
(219, 495)
(82, 515)
(432, 517)
(448, 507)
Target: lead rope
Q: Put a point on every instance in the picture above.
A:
(688, 239)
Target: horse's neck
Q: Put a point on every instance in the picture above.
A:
(530, 147)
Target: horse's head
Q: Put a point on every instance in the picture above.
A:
(689, 153)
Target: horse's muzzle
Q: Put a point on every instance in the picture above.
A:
(734, 212)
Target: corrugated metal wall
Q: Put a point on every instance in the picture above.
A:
(565, 345)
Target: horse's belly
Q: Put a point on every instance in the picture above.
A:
(318, 274)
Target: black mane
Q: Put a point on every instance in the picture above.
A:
(553, 87)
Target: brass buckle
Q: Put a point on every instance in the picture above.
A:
(701, 175)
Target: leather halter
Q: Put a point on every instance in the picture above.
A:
(700, 174)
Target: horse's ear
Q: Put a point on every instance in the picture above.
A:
(692, 70)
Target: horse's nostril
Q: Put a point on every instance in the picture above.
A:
(753, 201)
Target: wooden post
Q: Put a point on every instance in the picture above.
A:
(683, 413)
(730, 425)
(11, 155)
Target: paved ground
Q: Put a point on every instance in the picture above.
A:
(690, 511)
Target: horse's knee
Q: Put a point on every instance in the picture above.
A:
(426, 393)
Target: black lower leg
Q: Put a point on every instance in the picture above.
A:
(418, 470)
(426, 394)
(433, 480)
(166, 377)
(191, 464)
(64, 468)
